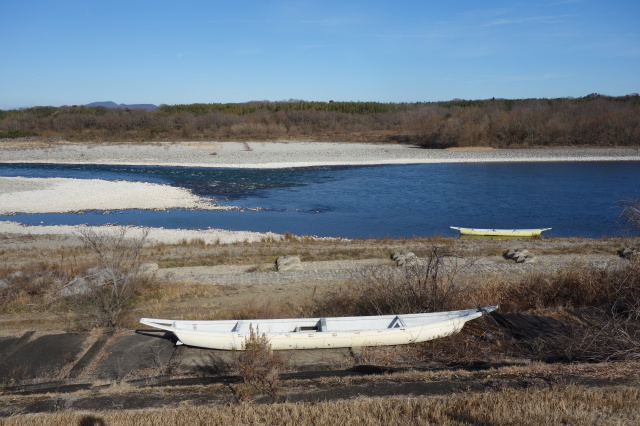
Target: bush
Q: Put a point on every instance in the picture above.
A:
(599, 311)
(430, 286)
(630, 213)
(258, 367)
(107, 292)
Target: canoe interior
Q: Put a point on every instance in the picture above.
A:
(294, 325)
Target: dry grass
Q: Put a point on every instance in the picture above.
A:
(612, 292)
(430, 286)
(544, 406)
(195, 253)
(614, 289)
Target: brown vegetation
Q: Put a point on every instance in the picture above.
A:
(259, 368)
(430, 286)
(596, 312)
(541, 406)
(630, 213)
(593, 120)
(590, 315)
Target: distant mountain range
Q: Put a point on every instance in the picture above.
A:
(109, 104)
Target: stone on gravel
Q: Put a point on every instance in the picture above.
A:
(288, 263)
(149, 268)
(81, 284)
(519, 255)
(628, 252)
(404, 258)
(76, 286)
(509, 254)
(98, 276)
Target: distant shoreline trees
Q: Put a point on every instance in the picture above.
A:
(501, 123)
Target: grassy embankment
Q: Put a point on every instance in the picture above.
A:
(436, 286)
(598, 312)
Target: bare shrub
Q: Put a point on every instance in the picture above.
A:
(259, 368)
(24, 290)
(574, 286)
(109, 292)
(615, 289)
(600, 310)
(618, 335)
(429, 286)
(630, 213)
(613, 338)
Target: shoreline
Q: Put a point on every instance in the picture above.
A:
(156, 235)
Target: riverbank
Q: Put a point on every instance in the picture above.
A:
(46, 371)
(286, 154)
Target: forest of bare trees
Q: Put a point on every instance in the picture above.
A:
(592, 120)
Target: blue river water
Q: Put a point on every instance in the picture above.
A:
(573, 198)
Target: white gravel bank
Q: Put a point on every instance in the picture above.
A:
(287, 154)
(60, 195)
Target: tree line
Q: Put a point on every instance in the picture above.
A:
(500, 123)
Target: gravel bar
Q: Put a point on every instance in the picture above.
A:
(289, 154)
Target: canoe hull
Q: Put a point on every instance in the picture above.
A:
(320, 340)
(407, 330)
(501, 232)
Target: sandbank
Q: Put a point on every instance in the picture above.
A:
(155, 235)
(61, 195)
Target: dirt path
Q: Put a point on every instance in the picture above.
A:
(343, 270)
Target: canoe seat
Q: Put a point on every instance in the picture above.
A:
(397, 322)
(321, 325)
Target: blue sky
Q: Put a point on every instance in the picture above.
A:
(66, 52)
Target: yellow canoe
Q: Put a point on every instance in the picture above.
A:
(501, 232)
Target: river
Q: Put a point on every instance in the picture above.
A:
(575, 199)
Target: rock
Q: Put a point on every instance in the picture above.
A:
(149, 268)
(519, 255)
(288, 263)
(98, 276)
(509, 254)
(81, 284)
(628, 252)
(404, 258)
(76, 286)
(4, 284)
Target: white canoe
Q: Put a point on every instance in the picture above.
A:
(501, 232)
(316, 333)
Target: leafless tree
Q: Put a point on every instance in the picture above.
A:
(631, 213)
(109, 289)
